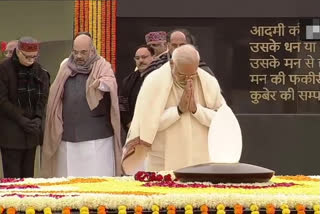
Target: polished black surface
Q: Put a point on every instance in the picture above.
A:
(224, 45)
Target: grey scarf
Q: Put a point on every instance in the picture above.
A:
(82, 69)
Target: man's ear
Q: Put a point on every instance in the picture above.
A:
(171, 63)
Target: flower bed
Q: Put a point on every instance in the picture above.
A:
(158, 195)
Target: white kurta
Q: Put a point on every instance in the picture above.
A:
(181, 140)
(85, 159)
(160, 139)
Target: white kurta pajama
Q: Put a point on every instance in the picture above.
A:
(159, 138)
(58, 155)
(85, 159)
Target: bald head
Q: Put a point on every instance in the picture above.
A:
(177, 39)
(184, 64)
(83, 42)
(186, 54)
(82, 49)
(10, 47)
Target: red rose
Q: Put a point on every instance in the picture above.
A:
(167, 177)
(3, 46)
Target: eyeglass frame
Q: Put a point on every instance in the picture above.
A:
(29, 57)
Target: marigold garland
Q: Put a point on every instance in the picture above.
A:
(30, 210)
(301, 209)
(86, 15)
(102, 210)
(11, 210)
(98, 17)
(113, 34)
(285, 209)
(188, 209)
(254, 209)
(111, 190)
(108, 32)
(81, 16)
(155, 209)
(204, 209)
(138, 209)
(47, 210)
(171, 209)
(66, 210)
(122, 209)
(238, 209)
(75, 181)
(316, 207)
(270, 209)
(103, 29)
(221, 209)
(1, 209)
(84, 210)
(76, 17)
(299, 178)
(99, 27)
(90, 15)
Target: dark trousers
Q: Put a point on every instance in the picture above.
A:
(18, 163)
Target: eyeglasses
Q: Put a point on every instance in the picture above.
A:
(142, 57)
(29, 57)
(83, 52)
(185, 77)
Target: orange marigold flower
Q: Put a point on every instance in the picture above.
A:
(11, 210)
(300, 207)
(238, 209)
(1, 209)
(204, 208)
(171, 207)
(66, 210)
(138, 209)
(270, 209)
(299, 178)
(101, 210)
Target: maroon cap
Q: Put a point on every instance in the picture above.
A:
(28, 46)
(156, 36)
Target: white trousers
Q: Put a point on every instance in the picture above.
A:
(86, 159)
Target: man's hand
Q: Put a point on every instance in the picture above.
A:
(28, 125)
(185, 99)
(37, 122)
(192, 103)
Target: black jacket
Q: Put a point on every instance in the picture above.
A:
(11, 134)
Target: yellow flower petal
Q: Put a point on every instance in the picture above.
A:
(155, 208)
(221, 212)
(221, 207)
(30, 210)
(254, 207)
(316, 207)
(188, 207)
(285, 211)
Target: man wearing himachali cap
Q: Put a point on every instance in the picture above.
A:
(175, 39)
(24, 87)
(158, 41)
